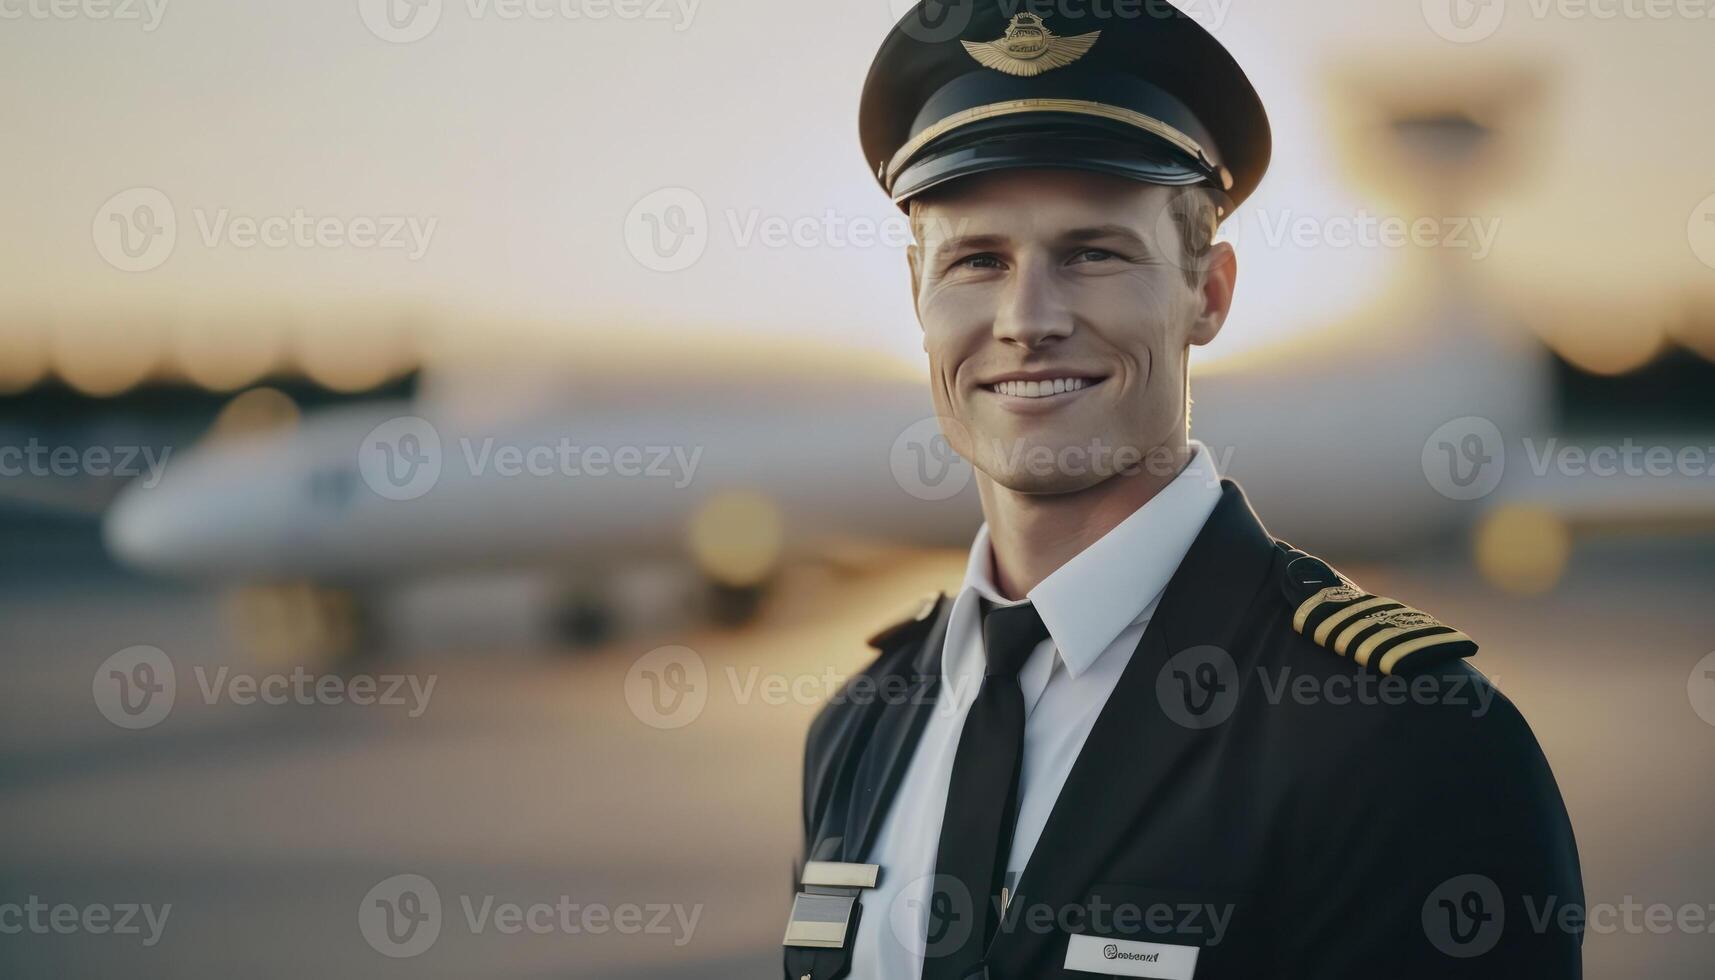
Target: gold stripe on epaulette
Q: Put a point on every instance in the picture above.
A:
(1327, 626)
(1333, 593)
(1359, 625)
(1392, 658)
(1399, 622)
(1354, 629)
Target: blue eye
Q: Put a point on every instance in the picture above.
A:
(1094, 255)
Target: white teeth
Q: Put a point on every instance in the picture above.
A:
(1039, 389)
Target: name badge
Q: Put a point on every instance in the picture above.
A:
(1119, 957)
(840, 875)
(819, 921)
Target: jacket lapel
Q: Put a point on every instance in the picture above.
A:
(1134, 749)
(870, 744)
(881, 764)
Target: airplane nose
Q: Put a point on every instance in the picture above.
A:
(141, 529)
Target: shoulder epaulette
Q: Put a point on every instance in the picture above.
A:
(1376, 632)
(924, 610)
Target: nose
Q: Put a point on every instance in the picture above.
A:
(1033, 312)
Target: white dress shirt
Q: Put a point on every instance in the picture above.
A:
(1096, 607)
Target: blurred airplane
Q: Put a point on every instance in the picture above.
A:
(588, 473)
(1350, 448)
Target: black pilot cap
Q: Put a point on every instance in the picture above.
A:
(1138, 90)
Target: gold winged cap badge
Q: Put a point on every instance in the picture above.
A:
(1029, 48)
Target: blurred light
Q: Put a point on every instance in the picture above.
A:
(737, 538)
(254, 412)
(1695, 329)
(295, 623)
(1610, 343)
(102, 357)
(1523, 550)
(351, 354)
(23, 357)
(226, 353)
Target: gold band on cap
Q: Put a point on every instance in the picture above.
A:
(1100, 110)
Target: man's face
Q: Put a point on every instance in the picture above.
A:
(1056, 313)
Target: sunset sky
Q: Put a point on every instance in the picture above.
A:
(506, 157)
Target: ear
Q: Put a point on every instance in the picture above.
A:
(1221, 271)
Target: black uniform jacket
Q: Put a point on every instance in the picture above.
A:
(1287, 811)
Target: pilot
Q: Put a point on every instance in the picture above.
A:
(1144, 738)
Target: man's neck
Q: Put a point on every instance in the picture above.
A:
(1031, 535)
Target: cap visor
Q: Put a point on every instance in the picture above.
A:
(1133, 159)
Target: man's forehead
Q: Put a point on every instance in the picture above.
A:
(1039, 204)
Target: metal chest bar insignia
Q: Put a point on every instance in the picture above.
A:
(824, 918)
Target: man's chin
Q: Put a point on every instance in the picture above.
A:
(1040, 485)
(1039, 464)
(1037, 467)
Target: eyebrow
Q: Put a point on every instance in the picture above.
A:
(1106, 233)
(1075, 236)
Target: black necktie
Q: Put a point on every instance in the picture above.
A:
(982, 801)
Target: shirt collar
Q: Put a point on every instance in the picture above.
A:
(1115, 582)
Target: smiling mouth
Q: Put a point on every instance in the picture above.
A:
(1046, 388)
